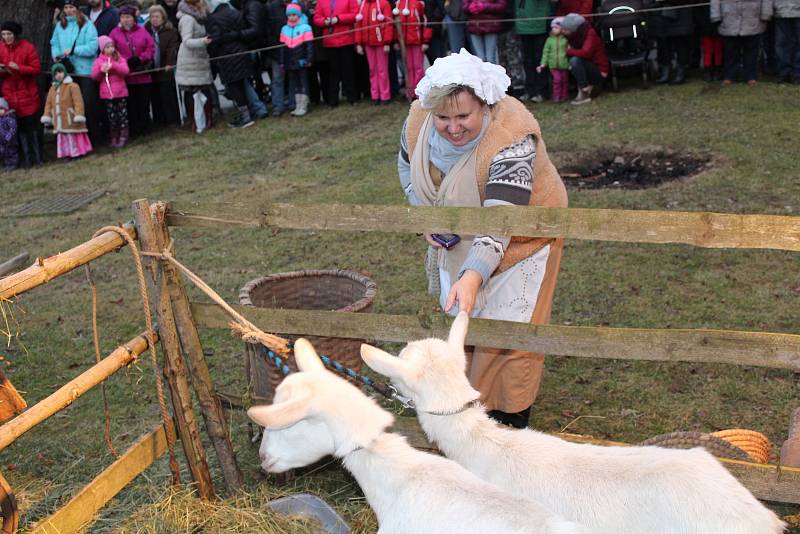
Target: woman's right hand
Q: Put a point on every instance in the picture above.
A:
(431, 242)
(207, 40)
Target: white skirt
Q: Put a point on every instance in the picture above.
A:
(508, 296)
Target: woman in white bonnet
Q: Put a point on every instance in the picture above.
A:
(466, 143)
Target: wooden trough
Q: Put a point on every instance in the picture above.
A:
(188, 374)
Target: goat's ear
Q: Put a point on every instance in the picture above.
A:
(306, 357)
(384, 363)
(281, 415)
(458, 330)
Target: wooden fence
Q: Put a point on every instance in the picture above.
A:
(707, 230)
(185, 365)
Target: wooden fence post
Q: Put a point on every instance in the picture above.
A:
(175, 369)
(201, 377)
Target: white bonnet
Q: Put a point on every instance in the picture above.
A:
(487, 80)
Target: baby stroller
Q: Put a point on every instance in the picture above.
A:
(623, 28)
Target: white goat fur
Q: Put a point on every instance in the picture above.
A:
(611, 489)
(317, 413)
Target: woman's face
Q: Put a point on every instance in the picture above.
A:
(7, 36)
(460, 120)
(156, 19)
(127, 21)
(70, 10)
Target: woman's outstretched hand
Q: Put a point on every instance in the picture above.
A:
(465, 291)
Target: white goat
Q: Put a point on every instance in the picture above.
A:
(316, 413)
(611, 489)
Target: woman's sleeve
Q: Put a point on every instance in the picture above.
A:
(55, 44)
(510, 184)
(404, 168)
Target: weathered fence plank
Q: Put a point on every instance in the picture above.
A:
(82, 508)
(49, 268)
(175, 368)
(701, 229)
(711, 346)
(72, 390)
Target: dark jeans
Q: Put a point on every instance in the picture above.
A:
(740, 52)
(139, 108)
(298, 82)
(165, 103)
(787, 47)
(532, 46)
(436, 48)
(95, 112)
(235, 91)
(585, 72)
(678, 47)
(341, 71)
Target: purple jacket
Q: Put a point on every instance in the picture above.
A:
(483, 16)
(137, 42)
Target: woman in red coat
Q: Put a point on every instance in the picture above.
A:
(19, 67)
(337, 19)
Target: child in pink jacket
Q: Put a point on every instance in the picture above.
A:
(110, 70)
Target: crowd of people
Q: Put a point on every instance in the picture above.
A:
(120, 71)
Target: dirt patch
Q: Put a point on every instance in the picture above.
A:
(614, 168)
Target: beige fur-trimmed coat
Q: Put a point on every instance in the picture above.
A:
(64, 108)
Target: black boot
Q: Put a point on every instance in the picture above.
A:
(24, 149)
(664, 71)
(515, 420)
(680, 75)
(36, 149)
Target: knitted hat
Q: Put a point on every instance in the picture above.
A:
(572, 22)
(128, 10)
(293, 9)
(3, 103)
(57, 67)
(102, 41)
(11, 26)
(557, 22)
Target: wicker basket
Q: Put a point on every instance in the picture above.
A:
(334, 290)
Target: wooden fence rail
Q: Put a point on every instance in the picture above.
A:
(701, 229)
(48, 268)
(710, 346)
(72, 390)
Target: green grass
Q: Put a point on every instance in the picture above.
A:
(348, 155)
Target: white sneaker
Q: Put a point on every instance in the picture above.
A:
(583, 97)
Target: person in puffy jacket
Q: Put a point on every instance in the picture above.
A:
(18, 71)
(75, 37)
(587, 56)
(483, 25)
(336, 18)
(416, 36)
(64, 111)
(193, 69)
(135, 45)
(374, 37)
(532, 27)
(110, 69)
(9, 147)
(224, 26)
(554, 57)
(254, 34)
(741, 24)
(297, 55)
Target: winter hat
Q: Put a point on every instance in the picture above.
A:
(102, 41)
(293, 9)
(3, 104)
(57, 67)
(557, 22)
(572, 22)
(11, 26)
(128, 10)
(214, 4)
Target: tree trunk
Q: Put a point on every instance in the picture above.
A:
(36, 18)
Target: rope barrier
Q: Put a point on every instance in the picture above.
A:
(367, 28)
(162, 405)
